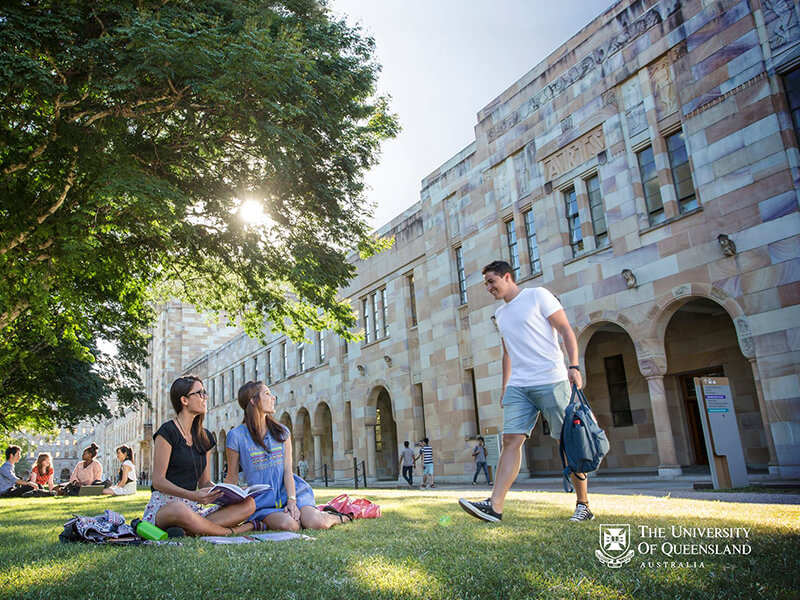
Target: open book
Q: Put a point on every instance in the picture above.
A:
(232, 493)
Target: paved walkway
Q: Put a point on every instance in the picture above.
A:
(680, 487)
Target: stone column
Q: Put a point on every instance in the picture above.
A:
(773, 459)
(317, 433)
(220, 463)
(297, 449)
(668, 466)
(372, 467)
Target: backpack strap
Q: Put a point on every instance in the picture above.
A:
(567, 483)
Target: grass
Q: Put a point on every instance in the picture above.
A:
(413, 551)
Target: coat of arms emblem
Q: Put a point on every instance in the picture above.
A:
(615, 541)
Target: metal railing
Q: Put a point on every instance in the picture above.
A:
(359, 471)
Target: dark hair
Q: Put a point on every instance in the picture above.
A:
(500, 267)
(405, 444)
(251, 419)
(128, 456)
(180, 387)
(481, 439)
(425, 440)
(12, 450)
(92, 449)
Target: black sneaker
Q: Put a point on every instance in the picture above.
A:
(481, 510)
(582, 513)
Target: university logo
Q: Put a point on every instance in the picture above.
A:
(615, 541)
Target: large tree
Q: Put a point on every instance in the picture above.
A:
(132, 133)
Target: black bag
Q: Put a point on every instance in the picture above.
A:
(582, 441)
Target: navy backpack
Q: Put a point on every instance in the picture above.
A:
(582, 441)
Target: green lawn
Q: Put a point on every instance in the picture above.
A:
(413, 551)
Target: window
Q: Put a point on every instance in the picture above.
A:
(413, 300)
(513, 249)
(321, 342)
(222, 389)
(255, 368)
(533, 246)
(242, 373)
(792, 84)
(345, 349)
(284, 359)
(367, 325)
(618, 391)
(681, 173)
(596, 210)
(268, 367)
(377, 316)
(385, 307)
(301, 357)
(378, 435)
(652, 191)
(462, 276)
(232, 377)
(211, 393)
(574, 222)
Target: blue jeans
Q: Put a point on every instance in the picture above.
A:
(408, 474)
(478, 467)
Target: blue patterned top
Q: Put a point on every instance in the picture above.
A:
(259, 466)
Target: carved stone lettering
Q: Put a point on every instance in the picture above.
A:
(578, 152)
(629, 32)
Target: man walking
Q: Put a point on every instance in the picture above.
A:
(426, 452)
(407, 463)
(479, 452)
(535, 380)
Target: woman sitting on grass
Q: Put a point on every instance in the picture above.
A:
(180, 466)
(88, 471)
(265, 448)
(42, 473)
(127, 474)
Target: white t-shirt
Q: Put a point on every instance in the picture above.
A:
(530, 339)
(132, 473)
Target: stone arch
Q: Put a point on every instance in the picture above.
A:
(303, 442)
(323, 436)
(589, 324)
(286, 421)
(382, 433)
(220, 455)
(65, 475)
(665, 307)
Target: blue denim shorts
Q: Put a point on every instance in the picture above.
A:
(427, 469)
(522, 405)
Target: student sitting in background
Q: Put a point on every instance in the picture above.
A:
(10, 485)
(127, 474)
(42, 473)
(89, 471)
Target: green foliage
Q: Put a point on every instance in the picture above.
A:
(130, 135)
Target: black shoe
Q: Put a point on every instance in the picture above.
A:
(481, 510)
(582, 513)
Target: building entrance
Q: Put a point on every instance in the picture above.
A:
(696, 438)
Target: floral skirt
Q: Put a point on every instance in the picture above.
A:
(158, 500)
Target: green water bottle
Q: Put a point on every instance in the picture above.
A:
(148, 531)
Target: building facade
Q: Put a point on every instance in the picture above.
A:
(646, 173)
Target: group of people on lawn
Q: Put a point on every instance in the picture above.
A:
(535, 379)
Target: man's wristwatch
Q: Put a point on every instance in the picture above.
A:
(576, 367)
(293, 498)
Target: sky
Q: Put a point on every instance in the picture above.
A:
(443, 61)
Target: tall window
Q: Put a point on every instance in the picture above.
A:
(513, 249)
(413, 300)
(462, 276)
(574, 222)
(232, 377)
(652, 191)
(598, 214)
(681, 173)
(268, 366)
(378, 435)
(255, 368)
(212, 392)
(284, 359)
(367, 324)
(618, 391)
(301, 357)
(791, 82)
(222, 389)
(533, 245)
(321, 340)
(242, 372)
(377, 317)
(385, 309)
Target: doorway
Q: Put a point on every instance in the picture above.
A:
(695, 427)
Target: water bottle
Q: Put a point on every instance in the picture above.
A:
(148, 531)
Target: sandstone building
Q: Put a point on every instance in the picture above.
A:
(647, 173)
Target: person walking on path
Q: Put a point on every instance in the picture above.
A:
(407, 463)
(426, 452)
(535, 379)
(479, 452)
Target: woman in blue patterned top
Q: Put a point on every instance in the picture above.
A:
(264, 448)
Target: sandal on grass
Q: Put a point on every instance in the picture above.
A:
(259, 525)
(342, 516)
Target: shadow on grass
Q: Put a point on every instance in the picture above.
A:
(411, 552)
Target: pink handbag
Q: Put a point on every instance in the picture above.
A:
(357, 509)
